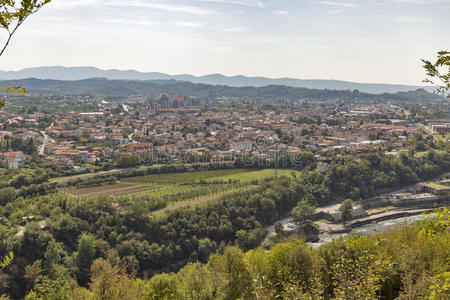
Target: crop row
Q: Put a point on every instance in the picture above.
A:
(165, 196)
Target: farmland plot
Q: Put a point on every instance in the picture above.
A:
(193, 187)
(108, 190)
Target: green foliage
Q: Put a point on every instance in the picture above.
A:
(81, 230)
(126, 88)
(236, 280)
(279, 228)
(357, 277)
(7, 260)
(12, 15)
(208, 177)
(18, 90)
(439, 71)
(440, 286)
(354, 268)
(85, 257)
(128, 161)
(346, 209)
(303, 211)
(439, 224)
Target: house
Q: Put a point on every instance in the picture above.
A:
(323, 167)
(441, 128)
(439, 189)
(11, 160)
(243, 145)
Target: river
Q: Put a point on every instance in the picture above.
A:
(369, 229)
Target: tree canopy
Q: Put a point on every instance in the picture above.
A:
(439, 71)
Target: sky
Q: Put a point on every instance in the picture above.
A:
(379, 41)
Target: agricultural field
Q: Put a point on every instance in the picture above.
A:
(108, 190)
(160, 191)
(194, 187)
(220, 176)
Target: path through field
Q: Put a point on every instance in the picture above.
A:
(196, 201)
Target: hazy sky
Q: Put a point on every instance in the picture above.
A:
(357, 40)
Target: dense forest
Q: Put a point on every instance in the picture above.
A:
(407, 262)
(156, 87)
(63, 235)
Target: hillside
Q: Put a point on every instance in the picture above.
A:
(407, 262)
(156, 87)
(80, 73)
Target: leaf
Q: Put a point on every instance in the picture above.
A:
(7, 260)
(22, 91)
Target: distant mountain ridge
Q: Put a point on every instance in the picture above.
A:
(154, 88)
(80, 73)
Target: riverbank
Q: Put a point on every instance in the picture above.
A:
(369, 228)
(368, 215)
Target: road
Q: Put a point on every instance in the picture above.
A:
(271, 229)
(41, 148)
(338, 226)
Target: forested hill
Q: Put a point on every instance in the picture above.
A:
(156, 87)
(80, 73)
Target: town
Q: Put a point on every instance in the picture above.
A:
(212, 149)
(176, 128)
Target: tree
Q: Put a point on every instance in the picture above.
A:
(12, 15)
(439, 72)
(85, 257)
(279, 228)
(128, 161)
(346, 209)
(358, 277)
(237, 280)
(303, 211)
(112, 282)
(7, 195)
(52, 256)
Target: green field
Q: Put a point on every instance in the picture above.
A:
(380, 209)
(243, 176)
(435, 185)
(180, 187)
(158, 191)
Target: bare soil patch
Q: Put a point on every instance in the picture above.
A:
(108, 190)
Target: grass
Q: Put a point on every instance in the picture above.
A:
(66, 177)
(159, 191)
(174, 188)
(380, 209)
(420, 154)
(241, 175)
(324, 221)
(437, 185)
(109, 190)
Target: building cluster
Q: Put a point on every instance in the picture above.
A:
(423, 194)
(178, 126)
